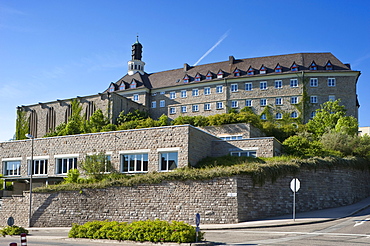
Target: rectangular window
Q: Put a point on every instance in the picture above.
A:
(207, 106)
(12, 168)
(39, 167)
(172, 110)
(195, 108)
(294, 83)
(219, 105)
(331, 82)
(134, 163)
(278, 84)
(195, 92)
(168, 161)
(279, 101)
(263, 85)
(234, 87)
(184, 109)
(183, 93)
(263, 102)
(234, 104)
(313, 99)
(248, 86)
(314, 82)
(207, 91)
(63, 165)
(248, 103)
(252, 153)
(294, 100)
(172, 95)
(219, 89)
(332, 98)
(136, 97)
(154, 104)
(162, 103)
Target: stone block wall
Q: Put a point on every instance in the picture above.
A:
(220, 200)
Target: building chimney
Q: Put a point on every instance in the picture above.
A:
(231, 60)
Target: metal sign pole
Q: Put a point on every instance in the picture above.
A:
(294, 206)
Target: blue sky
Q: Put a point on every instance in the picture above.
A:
(62, 49)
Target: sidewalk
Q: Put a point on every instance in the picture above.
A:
(301, 218)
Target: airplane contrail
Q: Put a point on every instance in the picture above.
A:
(213, 47)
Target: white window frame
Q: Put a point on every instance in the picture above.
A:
(207, 90)
(331, 98)
(172, 95)
(167, 152)
(195, 108)
(162, 103)
(219, 89)
(278, 84)
(294, 100)
(135, 97)
(42, 169)
(278, 101)
(184, 109)
(16, 164)
(183, 94)
(293, 83)
(331, 82)
(195, 92)
(248, 86)
(278, 116)
(248, 103)
(314, 82)
(263, 102)
(294, 115)
(207, 106)
(234, 87)
(172, 110)
(219, 105)
(153, 104)
(313, 99)
(234, 104)
(249, 153)
(263, 117)
(68, 158)
(141, 156)
(263, 85)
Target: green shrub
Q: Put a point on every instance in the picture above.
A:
(13, 230)
(141, 231)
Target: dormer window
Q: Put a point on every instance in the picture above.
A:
(250, 71)
(198, 77)
(278, 69)
(236, 72)
(263, 69)
(294, 67)
(313, 66)
(112, 88)
(209, 76)
(186, 79)
(329, 66)
(122, 86)
(133, 84)
(220, 74)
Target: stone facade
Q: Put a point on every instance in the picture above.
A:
(220, 200)
(188, 143)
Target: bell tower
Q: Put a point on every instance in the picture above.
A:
(136, 64)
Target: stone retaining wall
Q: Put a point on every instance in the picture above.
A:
(221, 200)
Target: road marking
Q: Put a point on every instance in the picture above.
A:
(361, 222)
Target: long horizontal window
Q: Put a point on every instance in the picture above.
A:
(39, 167)
(132, 163)
(12, 168)
(63, 165)
(244, 153)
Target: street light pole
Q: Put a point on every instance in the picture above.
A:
(31, 172)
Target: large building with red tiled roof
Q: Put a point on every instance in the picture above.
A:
(292, 85)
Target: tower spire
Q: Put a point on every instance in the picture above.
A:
(136, 64)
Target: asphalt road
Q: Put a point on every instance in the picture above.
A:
(354, 230)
